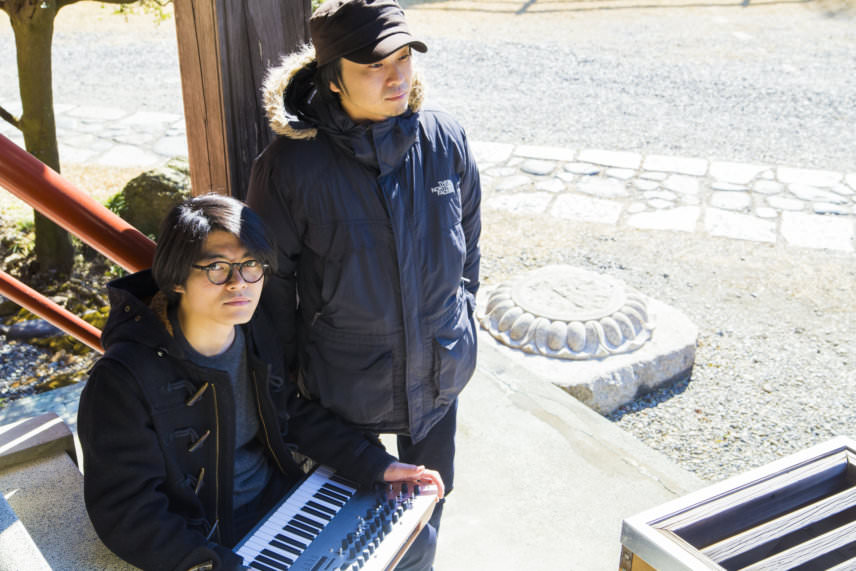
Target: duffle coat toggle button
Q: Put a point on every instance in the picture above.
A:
(197, 395)
(199, 442)
(199, 479)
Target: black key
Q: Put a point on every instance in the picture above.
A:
(343, 481)
(271, 562)
(307, 528)
(291, 541)
(291, 529)
(316, 513)
(325, 496)
(321, 508)
(308, 521)
(284, 547)
(260, 567)
(342, 491)
(277, 556)
(334, 491)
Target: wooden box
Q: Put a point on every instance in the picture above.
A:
(795, 513)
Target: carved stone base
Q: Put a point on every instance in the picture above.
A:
(569, 313)
(589, 334)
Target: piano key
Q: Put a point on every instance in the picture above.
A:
(270, 562)
(296, 543)
(329, 499)
(297, 524)
(293, 530)
(316, 514)
(346, 493)
(309, 521)
(322, 508)
(260, 567)
(284, 547)
(278, 556)
(335, 492)
(343, 481)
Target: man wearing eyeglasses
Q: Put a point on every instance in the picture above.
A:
(186, 424)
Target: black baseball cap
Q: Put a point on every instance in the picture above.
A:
(363, 31)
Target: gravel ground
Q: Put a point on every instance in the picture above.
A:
(775, 368)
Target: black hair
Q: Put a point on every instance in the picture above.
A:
(330, 72)
(188, 224)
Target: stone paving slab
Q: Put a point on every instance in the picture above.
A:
(807, 208)
(781, 204)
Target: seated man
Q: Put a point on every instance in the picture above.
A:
(187, 422)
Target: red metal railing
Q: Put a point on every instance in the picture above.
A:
(46, 191)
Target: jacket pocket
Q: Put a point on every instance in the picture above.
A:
(352, 379)
(455, 352)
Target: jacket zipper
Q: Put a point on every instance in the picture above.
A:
(264, 424)
(216, 459)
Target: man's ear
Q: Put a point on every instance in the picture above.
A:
(335, 88)
(178, 289)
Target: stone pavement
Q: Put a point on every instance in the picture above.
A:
(759, 202)
(749, 201)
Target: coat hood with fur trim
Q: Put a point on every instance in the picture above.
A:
(289, 85)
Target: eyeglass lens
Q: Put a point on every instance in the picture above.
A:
(220, 272)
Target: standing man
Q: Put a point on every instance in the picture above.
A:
(374, 204)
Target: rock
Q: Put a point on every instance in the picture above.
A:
(7, 307)
(32, 329)
(146, 199)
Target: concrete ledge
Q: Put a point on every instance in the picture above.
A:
(46, 495)
(31, 438)
(17, 549)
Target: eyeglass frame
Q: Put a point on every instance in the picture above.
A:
(232, 265)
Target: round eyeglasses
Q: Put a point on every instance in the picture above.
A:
(221, 272)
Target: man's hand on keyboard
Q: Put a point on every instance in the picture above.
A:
(401, 472)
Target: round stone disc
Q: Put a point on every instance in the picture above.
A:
(567, 293)
(568, 313)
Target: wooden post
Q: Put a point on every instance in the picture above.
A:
(224, 49)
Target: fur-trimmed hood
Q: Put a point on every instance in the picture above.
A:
(291, 81)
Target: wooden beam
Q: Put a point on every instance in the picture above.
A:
(225, 48)
(201, 86)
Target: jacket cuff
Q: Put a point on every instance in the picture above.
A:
(372, 463)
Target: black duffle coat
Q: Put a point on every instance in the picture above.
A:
(158, 436)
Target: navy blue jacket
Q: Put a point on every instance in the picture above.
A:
(377, 228)
(158, 437)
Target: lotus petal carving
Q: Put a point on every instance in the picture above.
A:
(568, 313)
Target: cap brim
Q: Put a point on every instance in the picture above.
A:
(385, 47)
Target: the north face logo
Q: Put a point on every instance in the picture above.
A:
(443, 188)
